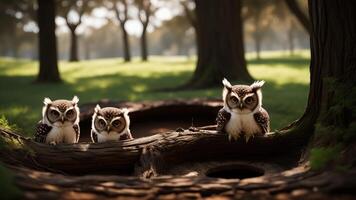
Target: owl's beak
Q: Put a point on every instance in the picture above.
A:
(241, 105)
(62, 120)
(108, 129)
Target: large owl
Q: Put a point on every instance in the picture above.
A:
(110, 124)
(242, 113)
(60, 122)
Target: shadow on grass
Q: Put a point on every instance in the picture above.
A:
(294, 61)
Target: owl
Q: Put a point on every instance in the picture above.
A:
(110, 124)
(60, 122)
(242, 113)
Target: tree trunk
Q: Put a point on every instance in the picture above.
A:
(126, 44)
(220, 43)
(48, 71)
(298, 13)
(258, 47)
(257, 35)
(73, 57)
(87, 50)
(144, 50)
(333, 64)
(290, 37)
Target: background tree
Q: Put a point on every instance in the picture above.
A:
(15, 15)
(120, 8)
(333, 71)
(47, 42)
(261, 14)
(213, 65)
(298, 12)
(145, 12)
(72, 11)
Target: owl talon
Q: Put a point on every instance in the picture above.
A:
(248, 138)
(53, 143)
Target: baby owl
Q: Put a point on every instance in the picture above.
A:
(110, 124)
(60, 122)
(242, 112)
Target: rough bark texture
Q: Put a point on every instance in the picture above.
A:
(47, 42)
(43, 185)
(220, 43)
(333, 52)
(299, 14)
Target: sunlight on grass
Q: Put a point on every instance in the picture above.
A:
(285, 91)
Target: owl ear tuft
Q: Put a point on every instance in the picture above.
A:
(47, 101)
(257, 85)
(75, 100)
(125, 111)
(97, 108)
(227, 84)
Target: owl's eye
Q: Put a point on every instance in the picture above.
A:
(248, 100)
(102, 123)
(70, 113)
(116, 123)
(234, 100)
(55, 113)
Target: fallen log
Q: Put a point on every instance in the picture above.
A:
(153, 154)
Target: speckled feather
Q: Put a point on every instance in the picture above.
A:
(77, 131)
(42, 131)
(262, 119)
(222, 119)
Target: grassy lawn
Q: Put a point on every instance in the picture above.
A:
(285, 91)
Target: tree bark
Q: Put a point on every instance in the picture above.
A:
(299, 14)
(333, 63)
(220, 43)
(126, 43)
(144, 50)
(48, 71)
(122, 16)
(73, 57)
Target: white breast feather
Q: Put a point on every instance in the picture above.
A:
(65, 134)
(239, 123)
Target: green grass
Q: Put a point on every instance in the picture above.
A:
(285, 91)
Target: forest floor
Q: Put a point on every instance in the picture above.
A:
(285, 92)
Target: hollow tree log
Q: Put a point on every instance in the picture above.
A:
(172, 147)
